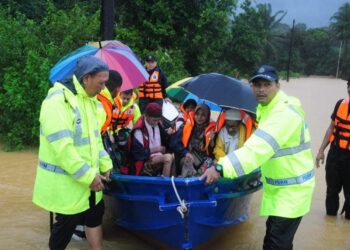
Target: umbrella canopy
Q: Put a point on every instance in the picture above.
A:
(179, 94)
(117, 55)
(225, 91)
(176, 92)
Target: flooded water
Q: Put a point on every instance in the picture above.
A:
(25, 226)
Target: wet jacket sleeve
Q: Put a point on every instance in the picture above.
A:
(104, 158)
(273, 132)
(137, 113)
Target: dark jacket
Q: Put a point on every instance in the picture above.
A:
(141, 153)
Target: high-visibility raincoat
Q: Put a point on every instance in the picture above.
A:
(71, 153)
(281, 147)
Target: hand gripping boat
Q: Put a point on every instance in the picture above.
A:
(181, 213)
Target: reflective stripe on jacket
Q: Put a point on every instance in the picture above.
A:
(71, 153)
(341, 132)
(281, 146)
(152, 89)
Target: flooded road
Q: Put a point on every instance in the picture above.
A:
(25, 226)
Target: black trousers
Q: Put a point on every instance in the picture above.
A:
(280, 232)
(64, 226)
(337, 178)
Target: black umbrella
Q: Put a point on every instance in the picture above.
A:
(225, 91)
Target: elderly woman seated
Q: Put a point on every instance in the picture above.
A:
(196, 140)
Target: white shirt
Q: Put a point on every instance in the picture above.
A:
(230, 141)
(154, 139)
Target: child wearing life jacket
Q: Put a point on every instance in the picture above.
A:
(186, 108)
(126, 108)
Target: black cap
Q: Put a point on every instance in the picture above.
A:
(150, 58)
(266, 72)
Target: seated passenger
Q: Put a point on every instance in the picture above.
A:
(126, 108)
(148, 144)
(187, 107)
(233, 133)
(197, 138)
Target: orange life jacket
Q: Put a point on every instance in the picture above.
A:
(124, 117)
(187, 131)
(151, 89)
(341, 132)
(110, 115)
(183, 118)
(247, 121)
(184, 112)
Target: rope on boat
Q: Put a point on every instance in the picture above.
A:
(182, 209)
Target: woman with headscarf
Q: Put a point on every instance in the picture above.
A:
(197, 139)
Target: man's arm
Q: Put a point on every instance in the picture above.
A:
(320, 155)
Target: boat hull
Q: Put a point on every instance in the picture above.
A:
(150, 206)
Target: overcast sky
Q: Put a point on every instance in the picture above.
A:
(314, 13)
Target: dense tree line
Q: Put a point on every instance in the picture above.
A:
(188, 37)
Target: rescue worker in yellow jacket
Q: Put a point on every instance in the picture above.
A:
(281, 148)
(338, 158)
(154, 89)
(72, 161)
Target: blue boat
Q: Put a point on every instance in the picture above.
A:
(181, 213)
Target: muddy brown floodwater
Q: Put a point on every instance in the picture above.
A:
(25, 226)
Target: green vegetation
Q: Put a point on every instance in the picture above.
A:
(188, 38)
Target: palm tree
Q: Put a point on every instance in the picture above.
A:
(340, 25)
(271, 24)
